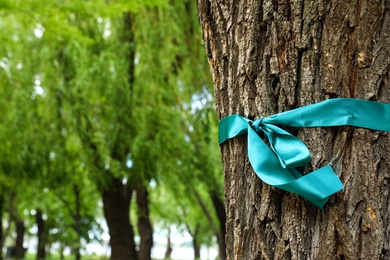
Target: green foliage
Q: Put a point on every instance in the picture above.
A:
(99, 89)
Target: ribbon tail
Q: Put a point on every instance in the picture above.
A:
(319, 203)
(231, 126)
(337, 112)
(316, 186)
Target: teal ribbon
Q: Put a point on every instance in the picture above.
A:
(275, 165)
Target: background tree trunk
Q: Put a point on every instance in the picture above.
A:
(169, 250)
(77, 220)
(145, 228)
(20, 230)
(116, 203)
(41, 250)
(271, 56)
(220, 211)
(196, 242)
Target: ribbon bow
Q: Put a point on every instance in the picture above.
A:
(276, 165)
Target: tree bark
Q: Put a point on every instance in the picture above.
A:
(145, 228)
(271, 56)
(20, 230)
(116, 203)
(41, 252)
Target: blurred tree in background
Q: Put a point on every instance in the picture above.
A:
(106, 103)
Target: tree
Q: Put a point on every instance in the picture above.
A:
(267, 57)
(32, 114)
(97, 99)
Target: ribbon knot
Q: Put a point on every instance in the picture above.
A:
(258, 125)
(290, 151)
(275, 165)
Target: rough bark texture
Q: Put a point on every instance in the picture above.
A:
(271, 56)
(116, 203)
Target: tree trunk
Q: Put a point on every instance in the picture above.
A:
(169, 250)
(196, 249)
(62, 248)
(41, 252)
(221, 214)
(11, 209)
(271, 56)
(145, 228)
(77, 220)
(20, 230)
(116, 204)
(219, 208)
(195, 241)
